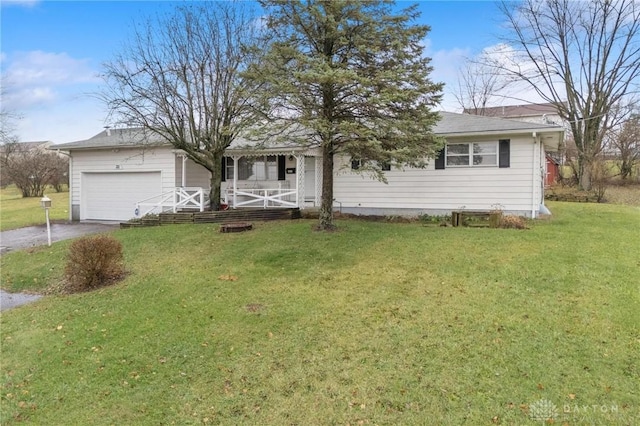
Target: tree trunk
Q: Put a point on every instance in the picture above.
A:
(325, 222)
(584, 171)
(626, 169)
(216, 180)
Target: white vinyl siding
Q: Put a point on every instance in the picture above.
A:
(452, 188)
(119, 161)
(196, 175)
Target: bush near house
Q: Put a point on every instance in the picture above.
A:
(93, 262)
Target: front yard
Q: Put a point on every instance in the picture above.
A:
(17, 212)
(375, 324)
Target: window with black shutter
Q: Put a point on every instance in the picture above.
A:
(439, 160)
(282, 167)
(504, 153)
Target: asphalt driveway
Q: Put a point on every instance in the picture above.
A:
(33, 236)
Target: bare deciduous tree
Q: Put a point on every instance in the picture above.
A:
(478, 83)
(626, 142)
(180, 78)
(30, 169)
(580, 56)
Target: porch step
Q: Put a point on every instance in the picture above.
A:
(219, 217)
(246, 215)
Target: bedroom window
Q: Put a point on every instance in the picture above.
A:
(476, 154)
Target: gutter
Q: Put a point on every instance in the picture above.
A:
(502, 132)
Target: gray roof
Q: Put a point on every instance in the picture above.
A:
(113, 138)
(514, 111)
(471, 125)
(450, 124)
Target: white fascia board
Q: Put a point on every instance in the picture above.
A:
(503, 132)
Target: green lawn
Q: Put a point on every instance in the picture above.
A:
(375, 324)
(18, 212)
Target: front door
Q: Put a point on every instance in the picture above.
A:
(310, 180)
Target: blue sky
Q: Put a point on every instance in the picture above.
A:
(52, 52)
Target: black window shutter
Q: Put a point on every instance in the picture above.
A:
(282, 172)
(440, 160)
(224, 169)
(504, 154)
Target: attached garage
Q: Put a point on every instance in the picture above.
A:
(113, 195)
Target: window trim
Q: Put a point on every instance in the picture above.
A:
(471, 154)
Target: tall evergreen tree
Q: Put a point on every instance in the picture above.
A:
(352, 74)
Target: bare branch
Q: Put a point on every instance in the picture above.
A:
(180, 78)
(581, 56)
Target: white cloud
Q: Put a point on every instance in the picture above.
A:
(51, 92)
(70, 121)
(26, 97)
(521, 92)
(27, 68)
(446, 64)
(23, 3)
(36, 78)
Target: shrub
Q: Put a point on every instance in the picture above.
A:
(93, 262)
(427, 219)
(513, 222)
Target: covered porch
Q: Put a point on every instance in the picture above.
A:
(262, 179)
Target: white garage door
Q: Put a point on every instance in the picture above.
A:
(113, 196)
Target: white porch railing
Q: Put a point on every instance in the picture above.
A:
(181, 198)
(262, 197)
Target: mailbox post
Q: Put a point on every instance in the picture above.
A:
(45, 202)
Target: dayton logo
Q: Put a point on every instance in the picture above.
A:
(543, 410)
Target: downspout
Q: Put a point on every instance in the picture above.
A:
(533, 175)
(70, 187)
(543, 176)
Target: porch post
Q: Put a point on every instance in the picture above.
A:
(235, 179)
(300, 171)
(184, 170)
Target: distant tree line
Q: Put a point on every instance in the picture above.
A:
(32, 169)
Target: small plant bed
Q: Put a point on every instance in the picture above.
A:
(236, 227)
(434, 220)
(489, 219)
(572, 195)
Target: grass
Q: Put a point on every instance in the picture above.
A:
(375, 324)
(17, 212)
(623, 194)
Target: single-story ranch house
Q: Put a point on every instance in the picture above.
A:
(487, 163)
